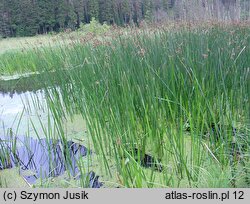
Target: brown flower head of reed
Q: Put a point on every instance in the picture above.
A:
(142, 52)
(205, 56)
(97, 43)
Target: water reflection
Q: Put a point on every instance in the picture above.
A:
(45, 158)
(19, 111)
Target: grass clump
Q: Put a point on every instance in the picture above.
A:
(180, 96)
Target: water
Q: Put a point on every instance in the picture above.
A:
(45, 159)
(19, 111)
(25, 124)
(29, 82)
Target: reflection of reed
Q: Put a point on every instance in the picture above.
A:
(32, 82)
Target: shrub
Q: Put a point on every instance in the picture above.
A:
(94, 27)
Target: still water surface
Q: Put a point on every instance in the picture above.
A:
(19, 111)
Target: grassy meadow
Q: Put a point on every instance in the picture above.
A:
(163, 107)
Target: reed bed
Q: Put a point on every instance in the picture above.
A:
(165, 108)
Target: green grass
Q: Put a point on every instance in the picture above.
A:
(145, 91)
(22, 44)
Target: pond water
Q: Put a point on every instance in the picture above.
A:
(25, 126)
(19, 111)
(45, 158)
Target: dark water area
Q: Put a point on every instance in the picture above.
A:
(147, 160)
(46, 158)
(33, 82)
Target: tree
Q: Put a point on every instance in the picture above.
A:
(31, 17)
(26, 20)
(79, 9)
(46, 15)
(147, 10)
(94, 9)
(5, 22)
(106, 11)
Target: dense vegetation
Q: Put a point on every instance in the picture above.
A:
(161, 100)
(179, 95)
(31, 17)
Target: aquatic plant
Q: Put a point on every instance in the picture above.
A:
(180, 97)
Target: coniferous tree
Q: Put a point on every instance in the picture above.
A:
(136, 10)
(106, 11)
(148, 10)
(31, 17)
(2, 19)
(46, 13)
(5, 21)
(126, 11)
(79, 9)
(94, 9)
(27, 21)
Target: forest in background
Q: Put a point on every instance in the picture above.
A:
(32, 17)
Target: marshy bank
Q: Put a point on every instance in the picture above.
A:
(177, 100)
